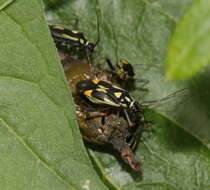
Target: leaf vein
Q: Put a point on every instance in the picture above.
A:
(167, 15)
(36, 156)
(6, 4)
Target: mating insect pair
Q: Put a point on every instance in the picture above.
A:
(106, 113)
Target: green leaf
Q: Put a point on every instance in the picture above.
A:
(190, 44)
(41, 147)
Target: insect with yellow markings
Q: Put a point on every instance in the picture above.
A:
(123, 69)
(98, 125)
(105, 93)
(66, 39)
(73, 42)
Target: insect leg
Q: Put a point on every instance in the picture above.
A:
(143, 81)
(128, 118)
(91, 115)
(110, 64)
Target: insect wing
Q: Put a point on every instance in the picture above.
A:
(112, 94)
(102, 97)
(100, 92)
(63, 35)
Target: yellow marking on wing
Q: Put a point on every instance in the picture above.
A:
(95, 100)
(118, 88)
(101, 90)
(123, 105)
(75, 31)
(118, 94)
(124, 61)
(88, 92)
(105, 101)
(82, 41)
(69, 37)
(103, 87)
(96, 81)
(58, 27)
(128, 99)
(109, 102)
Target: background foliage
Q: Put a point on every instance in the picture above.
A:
(39, 136)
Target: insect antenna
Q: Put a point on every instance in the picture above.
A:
(110, 64)
(88, 57)
(87, 51)
(155, 102)
(98, 30)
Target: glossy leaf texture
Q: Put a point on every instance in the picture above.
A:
(190, 44)
(41, 147)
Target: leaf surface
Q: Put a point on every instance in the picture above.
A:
(189, 46)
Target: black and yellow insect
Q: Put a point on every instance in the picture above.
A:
(102, 92)
(123, 70)
(66, 39)
(73, 42)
